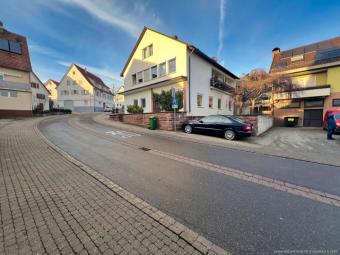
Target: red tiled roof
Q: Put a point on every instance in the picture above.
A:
(94, 80)
(12, 60)
(55, 82)
(310, 55)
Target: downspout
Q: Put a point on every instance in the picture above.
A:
(189, 79)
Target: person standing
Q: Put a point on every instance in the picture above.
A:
(331, 125)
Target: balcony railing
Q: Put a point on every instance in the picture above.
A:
(221, 85)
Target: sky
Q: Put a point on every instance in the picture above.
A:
(100, 34)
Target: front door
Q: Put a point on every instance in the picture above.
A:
(312, 118)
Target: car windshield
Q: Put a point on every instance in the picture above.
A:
(237, 120)
(337, 116)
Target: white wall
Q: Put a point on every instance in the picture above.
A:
(41, 90)
(200, 74)
(264, 123)
(128, 100)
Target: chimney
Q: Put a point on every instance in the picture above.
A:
(175, 37)
(275, 51)
(2, 28)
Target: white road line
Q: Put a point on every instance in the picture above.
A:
(315, 195)
(122, 134)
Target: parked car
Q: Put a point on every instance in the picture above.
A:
(336, 117)
(221, 125)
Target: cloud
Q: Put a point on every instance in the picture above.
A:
(109, 77)
(114, 13)
(221, 28)
(36, 48)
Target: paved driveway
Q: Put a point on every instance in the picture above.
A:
(309, 143)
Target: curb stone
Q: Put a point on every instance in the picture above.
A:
(197, 241)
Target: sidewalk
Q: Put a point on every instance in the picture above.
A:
(51, 203)
(266, 144)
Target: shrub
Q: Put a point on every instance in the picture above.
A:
(164, 100)
(135, 109)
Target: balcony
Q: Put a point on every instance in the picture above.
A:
(315, 91)
(221, 85)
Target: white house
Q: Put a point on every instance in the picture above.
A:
(159, 62)
(40, 94)
(82, 91)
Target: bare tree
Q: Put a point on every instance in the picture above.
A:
(257, 86)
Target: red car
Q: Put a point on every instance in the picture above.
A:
(336, 114)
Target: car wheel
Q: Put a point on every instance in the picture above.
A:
(188, 129)
(229, 135)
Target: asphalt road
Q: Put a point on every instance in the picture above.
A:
(240, 216)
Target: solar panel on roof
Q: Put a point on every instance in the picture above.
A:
(15, 47)
(4, 45)
(328, 54)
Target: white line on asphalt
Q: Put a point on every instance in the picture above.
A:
(122, 134)
(315, 195)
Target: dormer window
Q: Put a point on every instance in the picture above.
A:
(147, 51)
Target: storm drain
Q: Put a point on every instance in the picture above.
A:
(144, 149)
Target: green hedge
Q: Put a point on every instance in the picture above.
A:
(135, 109)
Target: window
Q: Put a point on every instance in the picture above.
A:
(15, 47)
(134, 79)
(65, 92)
(219, 102)
(74, 83)
(140, 77)
(4, 93)
(84, 92)
(199, 100)
(34, 85)
(210, 119)
(97, 93)
(309, 103)
(68, 82)
(40, 96)
(104, 96)
(147, 51)
(211, 101)
(146, 74)
(172, 65)
(154, 72)
(336, 102)
(230, 105)
(135, 102)
(74, 92)
(2, 77)
(142, 102)
(162, 70)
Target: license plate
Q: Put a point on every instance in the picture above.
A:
(290, 119)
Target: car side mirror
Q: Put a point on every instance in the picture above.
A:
(200, 121)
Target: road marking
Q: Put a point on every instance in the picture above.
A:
(122, 134)
(297, 190)
(315, 195)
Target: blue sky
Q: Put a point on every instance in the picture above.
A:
(100, 34)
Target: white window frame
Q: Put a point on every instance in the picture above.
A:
(159, 69)
(169, 71)
(152, 78)
(212, 102)
(142, 78)
(201, 100)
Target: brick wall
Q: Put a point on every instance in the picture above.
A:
(165, 119)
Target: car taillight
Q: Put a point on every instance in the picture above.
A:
(246, 128)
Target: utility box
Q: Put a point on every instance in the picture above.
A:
(291, 121)
(152, 123)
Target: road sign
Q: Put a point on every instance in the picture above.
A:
(174, 103)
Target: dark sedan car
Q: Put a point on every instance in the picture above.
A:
(227, 126)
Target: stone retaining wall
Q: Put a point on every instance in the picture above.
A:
(165, 119)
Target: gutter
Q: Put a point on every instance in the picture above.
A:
(189, 79)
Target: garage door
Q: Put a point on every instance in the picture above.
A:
(68, 104)
(313, 118)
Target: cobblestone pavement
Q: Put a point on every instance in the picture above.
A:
(50, 205)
